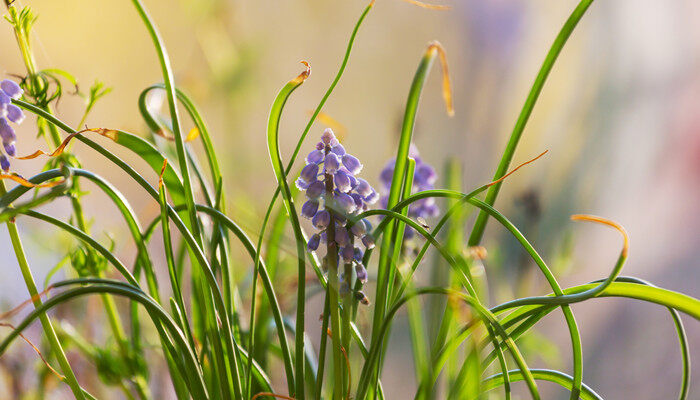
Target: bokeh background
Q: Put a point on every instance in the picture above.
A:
(620, 115)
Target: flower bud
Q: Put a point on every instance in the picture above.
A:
(321, 219)
(368, 241)
(363, 188)
(308, 209)
(352, 164)
(7, 134)
(309, 173)
(327, 136)
(347, 252)
(315, 157)
(15, 114)
(314, 241)
(342, 181)
(10, 149)
(315, 190)
(338, 149)
(11, 88)
(341, 236)
(344, 202)
(361, 273)
(359, 229)
(331, 164)
(4, 163)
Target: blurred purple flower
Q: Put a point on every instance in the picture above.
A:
(424, 178)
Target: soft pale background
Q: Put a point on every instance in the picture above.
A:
(620, 116)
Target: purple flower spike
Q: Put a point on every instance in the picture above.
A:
(11, 88)
(331, 164)
(345, 202)
(321, 219)
(352, 164)
(338, 149)
(342, 181)
(7, 134)
(368, 242)
(309, 173)
(314, 241)
(315, 157)
(315, 190)
(344, 197)
(4, 163)
(327, 136)
(341, 236)
(15, 114)
(347, 252)
(308, 210)
(10, 149)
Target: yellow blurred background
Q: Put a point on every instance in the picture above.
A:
(620, 116)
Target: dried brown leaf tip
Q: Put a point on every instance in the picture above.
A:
(36, 350)
(162, 172)
(191, 135)
(427, 6)
(517, 168)
(446, 85)
(28, 184)
(610, 223)
(108, 133)
(9, 314)
(305, 74)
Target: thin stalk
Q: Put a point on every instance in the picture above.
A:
(333, 285)
(49, 331)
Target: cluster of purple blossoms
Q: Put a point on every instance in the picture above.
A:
(424, 178)
(334, 193)
(9, 90)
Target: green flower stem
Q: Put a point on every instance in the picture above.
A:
(333, 289)
(49, 331)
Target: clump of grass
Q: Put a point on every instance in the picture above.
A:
(197, 317)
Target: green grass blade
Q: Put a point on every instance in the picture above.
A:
(276, 160)
(526, 111)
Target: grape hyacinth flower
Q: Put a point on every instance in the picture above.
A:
(334, 193)
(9, 113)
(424, 178)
